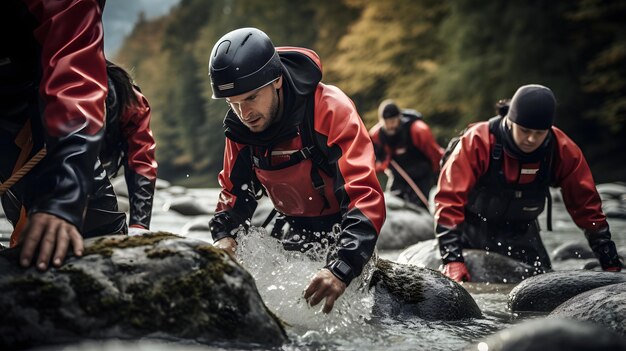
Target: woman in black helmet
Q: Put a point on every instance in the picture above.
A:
(304, 143)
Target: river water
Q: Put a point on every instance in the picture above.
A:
(281, 278)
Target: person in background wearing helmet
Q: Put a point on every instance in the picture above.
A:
(128, 142)
(52, 95)
(304, 143)
(494, 186)
(403, 136)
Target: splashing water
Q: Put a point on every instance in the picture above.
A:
(281, 278)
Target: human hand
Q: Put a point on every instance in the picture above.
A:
(324, 285)
(51, 234)
(456, 271)
(227, 244)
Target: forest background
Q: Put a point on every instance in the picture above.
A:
(449, 59)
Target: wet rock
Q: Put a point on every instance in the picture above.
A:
(543, 293)
(614, 208)
(552, 334)
(123, 204)
(611, 190)
(162, 184)
(572, 250)
(119, 186)
(156, 285)
(197, 224)
(406, 291)
(176, 190)
(483, 266)
(187, 206)
(405, 225)
(605, 306)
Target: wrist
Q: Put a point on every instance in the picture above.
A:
(341, 270)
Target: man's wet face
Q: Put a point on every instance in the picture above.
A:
(257, 109)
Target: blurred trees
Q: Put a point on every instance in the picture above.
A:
(449, 59)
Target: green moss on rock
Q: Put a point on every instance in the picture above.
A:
(399, 280)
(104, 246)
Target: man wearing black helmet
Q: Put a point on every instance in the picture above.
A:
(301, 142)
(494, 186)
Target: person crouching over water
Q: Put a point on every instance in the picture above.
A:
(405, 145)
(305, 144)
(128, 142)
(494, 186)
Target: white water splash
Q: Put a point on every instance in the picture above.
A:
(282, 276)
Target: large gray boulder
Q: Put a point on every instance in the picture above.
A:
(605, 306)
(187, 206)
(405, 225)
(155, 285)
(483, 266)
(544, 292)
(405, 291)
(578, 250)
(552, 334)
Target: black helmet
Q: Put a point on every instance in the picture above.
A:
(241, 61)
(533, 106)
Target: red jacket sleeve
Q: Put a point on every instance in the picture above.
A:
(468, 161)
(73, 89)
(424, 141)
(351, 153)
(135, 124)
(573, 175)
(140, 169)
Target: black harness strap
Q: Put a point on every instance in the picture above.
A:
(496, 171)
(262, 159)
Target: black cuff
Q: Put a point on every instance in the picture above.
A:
(604, 248)
(221, 235)
(223, 224)
(341, 270)
(450, 246)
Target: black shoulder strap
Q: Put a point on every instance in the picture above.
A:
(495, 171)
(318, 160)
(309, 141)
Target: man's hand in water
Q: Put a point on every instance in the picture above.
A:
(228, 244)
(53, 236)
(324, 285)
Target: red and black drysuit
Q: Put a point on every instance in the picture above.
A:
(128, 142)
(413, 148)
(490, 194)
(52, 92)
(314, 183)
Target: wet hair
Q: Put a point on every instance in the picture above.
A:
(388, 109)
(123, 95)
(502, 107)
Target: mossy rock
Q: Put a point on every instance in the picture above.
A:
(131, 287)
(406, 291)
